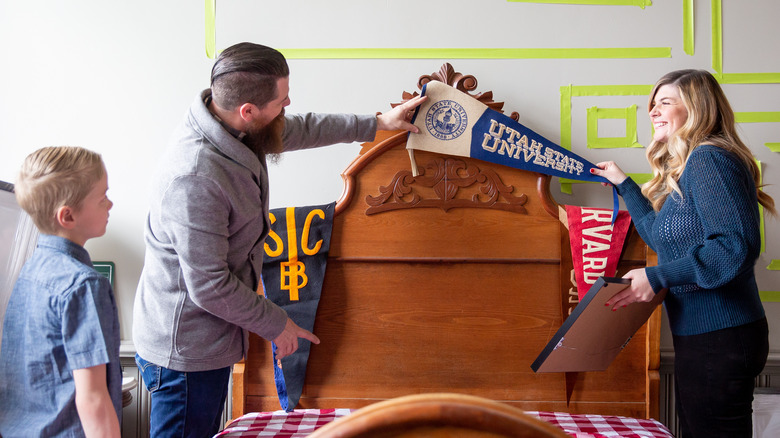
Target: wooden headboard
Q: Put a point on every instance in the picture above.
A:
(452, 281)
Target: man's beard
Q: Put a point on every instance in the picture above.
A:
(267, 140)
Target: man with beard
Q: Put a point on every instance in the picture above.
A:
(208, 219)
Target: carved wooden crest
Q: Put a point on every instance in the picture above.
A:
(444, 180)
(439, 185)
(459, 81)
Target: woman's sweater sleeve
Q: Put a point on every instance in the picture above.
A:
(639, 208)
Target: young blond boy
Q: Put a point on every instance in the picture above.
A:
(59, 363)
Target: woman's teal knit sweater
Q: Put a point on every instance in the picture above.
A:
(707, 242)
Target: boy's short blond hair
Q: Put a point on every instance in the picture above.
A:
(53, 177)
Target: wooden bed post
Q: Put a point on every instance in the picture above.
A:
(239, 399)
(654, 353)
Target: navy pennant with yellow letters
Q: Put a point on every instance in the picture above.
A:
(296, 255)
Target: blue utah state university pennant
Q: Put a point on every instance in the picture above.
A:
(453, 123)
(296, 255)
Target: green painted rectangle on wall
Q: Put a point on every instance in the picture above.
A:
(106, 269)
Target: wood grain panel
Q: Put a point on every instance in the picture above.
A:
(451, 281)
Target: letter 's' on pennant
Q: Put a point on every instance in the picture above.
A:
(453, 123)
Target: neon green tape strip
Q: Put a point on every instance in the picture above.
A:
(757, 117)
(484, 53)
(631, 136)
(688, 26)
(717, 36)
(611, 90)
(717, 54)
(640, 3)
(566, 117)
(593, 139)
(595, 114)
(774, 147)
(640, 178)
(609, 143)
(774, 265)
(750, 78)
(569, 91)
(593, 128)
(211, 31)
(610, 113)
(770, 296)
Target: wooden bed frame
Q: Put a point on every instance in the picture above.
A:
(452, 281)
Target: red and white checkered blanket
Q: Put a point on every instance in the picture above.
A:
(600, 426)
(302, 422)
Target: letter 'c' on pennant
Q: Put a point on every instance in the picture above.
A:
(454, 123)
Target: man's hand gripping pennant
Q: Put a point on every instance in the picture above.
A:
(453, 123)
(296, 255)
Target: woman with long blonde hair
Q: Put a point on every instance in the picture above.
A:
(700, 213)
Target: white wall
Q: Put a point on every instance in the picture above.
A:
(116, 77)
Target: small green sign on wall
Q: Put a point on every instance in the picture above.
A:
(106, 269)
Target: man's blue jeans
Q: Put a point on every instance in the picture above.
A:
(184, 404)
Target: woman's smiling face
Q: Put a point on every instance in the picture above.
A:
(667, 112)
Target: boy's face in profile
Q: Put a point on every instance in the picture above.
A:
(91, 216)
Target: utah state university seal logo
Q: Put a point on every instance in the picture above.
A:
(446, 120)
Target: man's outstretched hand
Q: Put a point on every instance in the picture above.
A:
(287, 341)
(395, 119)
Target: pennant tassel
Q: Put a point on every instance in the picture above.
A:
(281, 386)
(415, 172)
